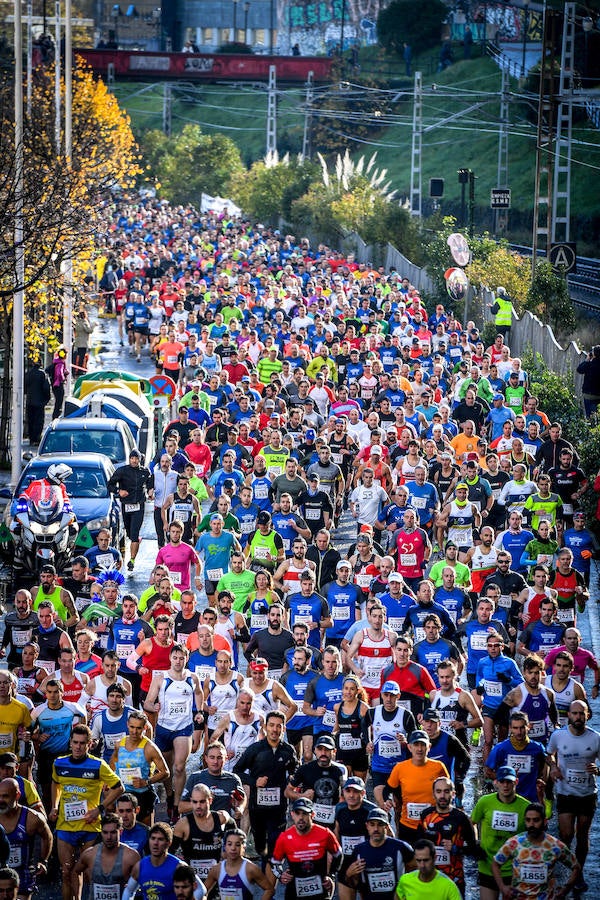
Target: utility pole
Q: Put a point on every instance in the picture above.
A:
(308, 116)
(29, 56)
(57, 65)
(272, 112)
(18, 342)
(561, 194)
(501, 215)
(416, 157)
(167, 108)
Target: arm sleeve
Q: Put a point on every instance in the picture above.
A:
(130, 889)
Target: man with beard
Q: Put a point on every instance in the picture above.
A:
(62, 600)
(450, 829)
(288, 574)
(271, 642)
(320, 780)
(109, 863)
(21, 825)
(378, 863)
(312, 852)
(533, 856)
(19, 626)
(180, 558)
(295, 681)
(573, 754)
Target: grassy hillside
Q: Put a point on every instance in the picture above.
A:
(469, 140)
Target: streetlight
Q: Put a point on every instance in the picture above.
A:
(235, 3)
(272, 26)
(246, 11)
(525, 30)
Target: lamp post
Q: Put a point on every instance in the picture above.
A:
(18, 348)
(235, 3)
(525, 30)
(272, 27)
(246, 11)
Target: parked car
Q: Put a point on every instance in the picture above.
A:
(112, 437)
(87, 488)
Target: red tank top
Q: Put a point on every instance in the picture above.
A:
(158, 660)
(73, 691)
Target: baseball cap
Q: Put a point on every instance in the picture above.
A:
(303, 805)
(378, 815)
(418, 735)
(450, 544)
(579, 514)
(390, 687)
(259, 663)
(269, 404)
(309, 402)
(498, 396)
(353, 782)
(325, 741)
(460, 485)
(228, 483)
(376, 450)
(314, 477)
(245, 378)
(263, 518)
(217, 517)
(446, 456)
(10, 759)
(395, 576)
(343, 564)
(506, 773)
(48, 568)
(472, 458)
(431, 715)
(310, 434)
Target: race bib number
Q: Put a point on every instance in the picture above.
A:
(6, 739)
(565, 615)
(127, 775)
(419, 502)
(308, 887)
(324, 813)
(268, 796)
(261, 492)
(505, 601)
(261, 553)
(177, 708)
(131, 507)
(521, 764)
(350, 842)
(111, 740)
(48, 664)
(231, 893)
(537, 729)
(419, 634)
(347, 742)
(381, 882)
(175, 577)
(533, 873)
(337, 458)
(202, 866)
(408, 559)
(274, 470)
(14, 860)
(493, 688)
(311, 514)
(258, 621)
(479, 640)
(123, 650)
(105, 560)
(396, 623)
(203, 672)
(373, 672)
(363, 581)
(82, 603)
(329, 718)
(567, 509)
(388, 749)
(442, 856)
(340, 613)
(414, 810)
(20, 638)
(107, 891)
(214, 574)
(577, 778)
(75, 809)
(504, 821)
(24, 684)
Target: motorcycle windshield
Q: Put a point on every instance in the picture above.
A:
(45, 502)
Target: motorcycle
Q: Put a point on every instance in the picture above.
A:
(44, 528)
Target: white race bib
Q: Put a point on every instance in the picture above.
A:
(537, 729)
(20, 638)
(396, 623)
(347, 742)
(389, 749)
(504, 821)
(48, 664)
(105, 560)
(408, 559)
(131, 507)
(340, 613)
(309, 886)
(381, 882)
(6, 739)
(533, 873)
(565, 615)
(493, 688)
(414, 810)
(107, 892)
(127, 775)
(324, 814)
(175, 577)
(479, 640)
(214, 574)
(329, 718)
(14, 860)
(258, 621)
(350, 842)
(577, 778)
(505, 601)
(268, 796)
(202, 866)
(123, 650)
(520, 763)
(442, 856)
(75, 809)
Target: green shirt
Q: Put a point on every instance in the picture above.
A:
(410, 887)
(462, 573)
(241, 586)
(497, 823)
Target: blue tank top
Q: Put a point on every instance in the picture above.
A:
(328, 692)
(20, 844)
(112, 732)
(132, 759)
(156, 882)
(296, 684)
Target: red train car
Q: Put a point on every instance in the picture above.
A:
(140, 65)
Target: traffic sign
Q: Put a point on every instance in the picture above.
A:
(500, 198)
(564, 256)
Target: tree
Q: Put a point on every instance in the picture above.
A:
(62, 201)
(269, 188)
(192, 163)
(417, 23)
(548, 298)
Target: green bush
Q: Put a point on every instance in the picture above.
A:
(557, 398)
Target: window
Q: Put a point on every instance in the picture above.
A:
(259, 36)
(225, 35)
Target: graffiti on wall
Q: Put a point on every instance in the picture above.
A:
(316, 24)
(508, 22)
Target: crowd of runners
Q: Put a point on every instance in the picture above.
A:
(347, 684)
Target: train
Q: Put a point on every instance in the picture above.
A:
(141, 65)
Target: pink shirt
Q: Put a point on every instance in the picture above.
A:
(178, 559)
(582, 659)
